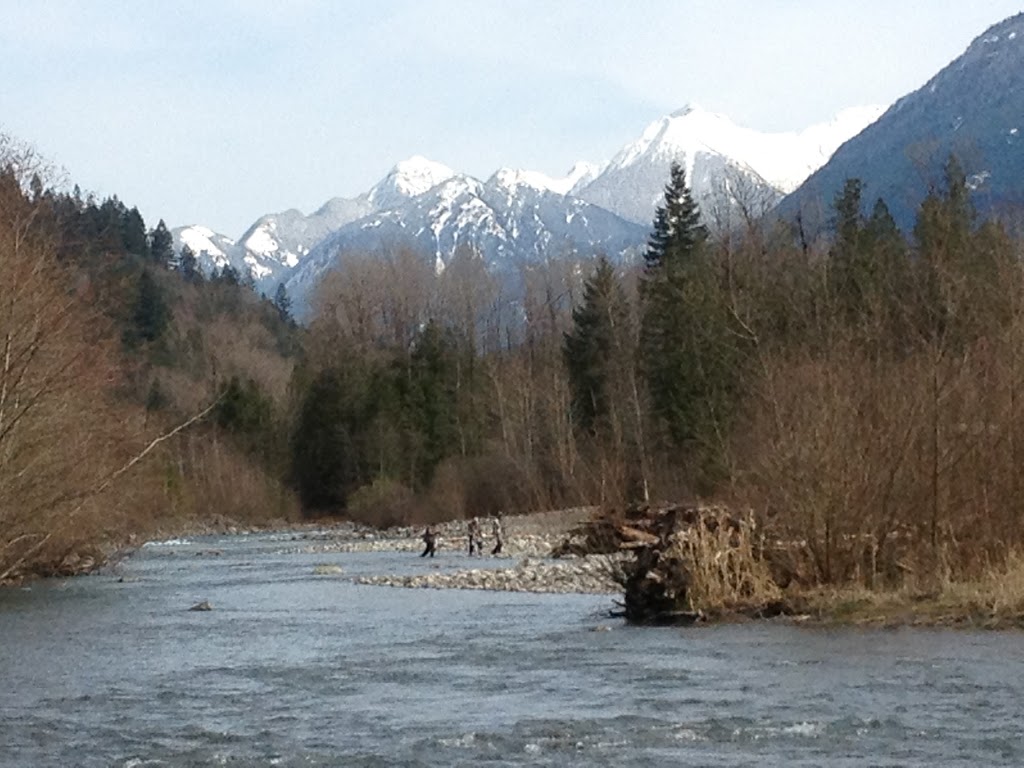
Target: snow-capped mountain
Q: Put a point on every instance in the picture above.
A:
(276, 242)
(213, 249)
(512, 219)
(406, 180)
(974, 108)
(718, 156)
(519, 216)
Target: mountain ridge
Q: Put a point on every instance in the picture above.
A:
(613, 199)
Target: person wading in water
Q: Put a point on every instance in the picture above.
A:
(473, 533)
(430, 539)
(498, 533)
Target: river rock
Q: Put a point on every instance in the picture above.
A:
(327, 569)
(593, 575)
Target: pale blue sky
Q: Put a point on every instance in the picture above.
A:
(218, 111)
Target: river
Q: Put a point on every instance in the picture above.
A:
(296, 669)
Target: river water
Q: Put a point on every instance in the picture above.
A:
(296, 669)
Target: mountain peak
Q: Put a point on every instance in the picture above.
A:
(510, 178)
(417, 171)
(408, 179)
(687, 109)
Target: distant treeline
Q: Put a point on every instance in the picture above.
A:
(858, 395)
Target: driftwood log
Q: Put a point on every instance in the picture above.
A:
(657, 581)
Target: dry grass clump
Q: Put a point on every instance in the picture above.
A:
(994, 598)
(726, 573)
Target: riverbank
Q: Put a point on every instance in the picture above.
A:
(995, 600)
(525, 564)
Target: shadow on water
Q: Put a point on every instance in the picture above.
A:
(291, 668)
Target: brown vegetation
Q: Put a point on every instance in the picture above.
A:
(74, 425)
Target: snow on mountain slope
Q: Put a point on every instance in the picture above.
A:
(204, 240)
(709, 144)
(407, 179)
(581, 173)
(280, 240)
(510, 220)
(519, 215)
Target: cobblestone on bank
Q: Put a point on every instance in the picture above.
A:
(594, 574)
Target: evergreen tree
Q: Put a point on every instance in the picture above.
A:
(133, 233)
(678, 233)
(152, 314)
(688, 345)
(591, 348)
(283, 303)
(849, 261)
(161, 245)
(244, 411)
(943, 232)
(946, 219)
(323, 453)
(431, 401)
(188, 265)
(228, 275)
(108, 224)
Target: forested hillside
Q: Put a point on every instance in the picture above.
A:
(107, 346)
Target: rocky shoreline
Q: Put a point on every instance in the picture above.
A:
(525, 563)
(589, 575)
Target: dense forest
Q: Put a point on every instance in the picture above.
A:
(855, 394)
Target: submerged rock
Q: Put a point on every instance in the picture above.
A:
(327, 569)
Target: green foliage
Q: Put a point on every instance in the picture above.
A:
(324, 452)
(593, 348)
(151, 315)
(868, 272)
(950, 263)
(678, 233)
(161, 245)
(133, 233)
(429, 391)
(228, 275)
(690, 357)
(188, 265)
(244, 411)
(283, 303)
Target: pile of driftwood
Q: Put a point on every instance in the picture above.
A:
(687, 559)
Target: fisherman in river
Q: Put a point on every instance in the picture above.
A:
(498, 533)
(430, 539)
(474, 535)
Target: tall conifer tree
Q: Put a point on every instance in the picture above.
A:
(591, 348)
(161, 245)
(688, 349)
